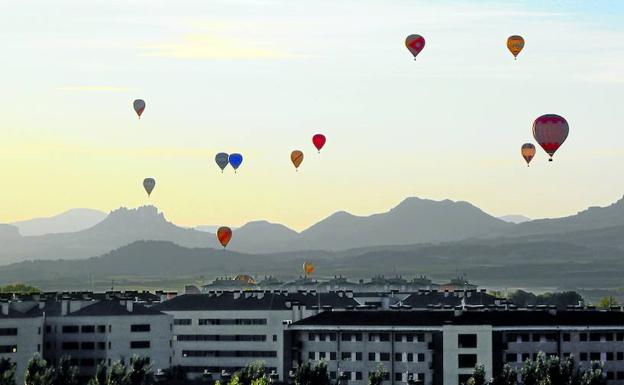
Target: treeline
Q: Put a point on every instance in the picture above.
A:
(559, 299)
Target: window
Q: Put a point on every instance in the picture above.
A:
(332, 356)
(463, 378)
(410, 357)
(583, 337)
(70, 345)
(594, 356)
(583, 356)
(101, 346)
(87, 362)
(87, 346)
(8, 348)
(524, 337)
(609, 356)
(467, 341)
(421, 357)
(610, 375)
(311, 356)
(371, 356)
(384, 337)
(511, 357)
(594, 336)
(384, 356)
(140, 328)
(398, 357)
(467, 360)
(608, 337)
(358, 356)
(619, 336)
(345, 356)
(101, 328)
(87, 329)
(311, 337)
(182, 321)
(358, 376)
(398, 376)
(620, 375)
(566, 337)
(48, 329)
(620, 356)
(536, 337)
(68, 329)
(322, 355)
(274, 337)
(8, 331)
(526, 356)
(139, 344)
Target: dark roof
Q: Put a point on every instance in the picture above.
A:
(494, 318)
(423, 299)
(254, 301)
(101, 308)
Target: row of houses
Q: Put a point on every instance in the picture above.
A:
(434, 337)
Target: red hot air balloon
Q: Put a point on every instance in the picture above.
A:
(415, 44)
(550, 131)
(319, 141)
(224, 235)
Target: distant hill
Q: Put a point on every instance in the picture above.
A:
(514, 218)
(68, 222)
(121, 227)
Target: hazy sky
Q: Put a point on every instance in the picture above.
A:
(261, 77)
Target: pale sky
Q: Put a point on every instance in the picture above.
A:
(260, 77)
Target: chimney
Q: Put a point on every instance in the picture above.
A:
(129, 306)
(42, 304)
(349, 293)
(237, 294)
(64, 305)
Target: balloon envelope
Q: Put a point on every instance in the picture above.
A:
(528, 152)
(245, 278)
(235, 160)
(319, 141)
(296, 157)
(222, 160)
(139, 107)
(550, 131)
(415, 44)
(515, 44)
(148, 185)
(224, 235)
(308, 268)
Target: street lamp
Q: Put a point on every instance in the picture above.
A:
(160, 375)
(225, 376)
(291, 377)
(273, 377)
(342, 378)
(206, 376)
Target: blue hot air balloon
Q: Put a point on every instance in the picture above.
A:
(222, 160)
(235, 161)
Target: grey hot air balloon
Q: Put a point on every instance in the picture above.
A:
(139, 107)
(148, 185)
(222, 160)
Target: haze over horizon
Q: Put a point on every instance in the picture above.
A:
(261, 77)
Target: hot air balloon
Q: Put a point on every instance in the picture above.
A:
(550, 131)
(246, 279)
(139, 107)
(515, 44)
(148, 185)
(415, 44)
(296, 157)
(528, 152)
(235, 160)
(319, 141)
(222, 160)
(308, 268)
(224, 235)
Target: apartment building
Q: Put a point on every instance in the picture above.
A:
(441, 347)
(224, 331)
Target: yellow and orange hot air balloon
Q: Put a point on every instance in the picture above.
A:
(246, 279)
(224, 235)
(308, 268)
(528, 152)
(296, 157)
(515, 44)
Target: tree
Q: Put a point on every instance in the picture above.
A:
(252, 372)
(478, 376)
(376, 377)
(594, 375)
(65, 373)
(7, 371)
(117, 374)
(19, 288)
(100, 376)
(308, 375)
(140, 372)
(508, 376)
(38, 372)
(607, 302)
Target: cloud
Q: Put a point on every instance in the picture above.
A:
(206, 46)
(86, 88)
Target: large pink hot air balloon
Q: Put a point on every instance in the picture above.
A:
(550, 131)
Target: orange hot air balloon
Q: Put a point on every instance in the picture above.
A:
(550, 131)
(415, 44)
(245, 278)
(296, 157)
(308, 268)
(224, 235)
(515, 44)
(528, 152)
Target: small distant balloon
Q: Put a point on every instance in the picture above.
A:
(528, 152)
(296, 157)
(246, 279)
(222, 160)
(515, 44)
(235, 160)
(224, 235)
(139, 107)
(148, 185)
(319, 141)
(550, 131)
(415, 44)
(308, 268)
